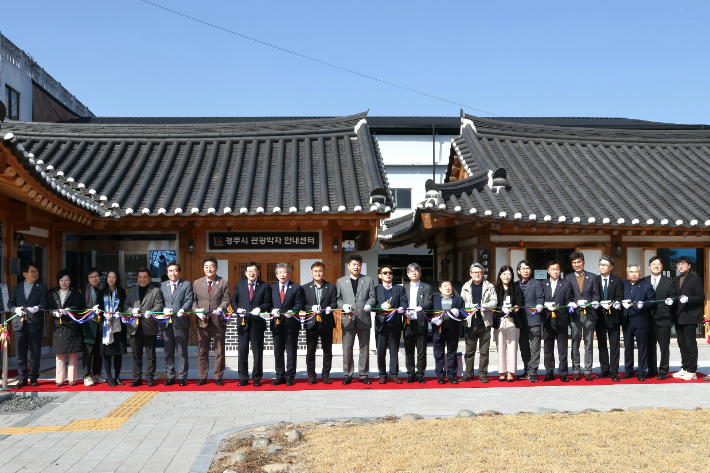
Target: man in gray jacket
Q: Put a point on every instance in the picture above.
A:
(478, 292)
(356, 296)
(177, 294)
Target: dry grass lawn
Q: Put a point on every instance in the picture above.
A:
(654, 440)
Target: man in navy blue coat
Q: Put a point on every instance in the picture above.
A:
(28, 298)
(251, 297)
(287, 300)
(636, 320)
(388, 328)
(445, 331)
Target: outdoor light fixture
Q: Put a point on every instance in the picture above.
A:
(191, 246)
(21, 240)
(619, 250)
(336, 246)
(449, 256)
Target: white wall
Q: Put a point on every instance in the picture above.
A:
(18, 80)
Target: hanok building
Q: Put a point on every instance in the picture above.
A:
(126, 196)
(541, 191)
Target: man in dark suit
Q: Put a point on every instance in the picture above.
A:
(251, 297)
(287, 299)
(662, 319)
(211, 301)
(388, 328)
(636, 319)
(415, 324)
(531, 329)
(558, 293)
(583, 319)
(445, 332)
(140, 301)
(321, 298)
(177, 296)
(29, 300)
(689, 315)
(608, 321)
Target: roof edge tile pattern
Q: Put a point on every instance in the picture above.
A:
(321, 166)
(579, 176)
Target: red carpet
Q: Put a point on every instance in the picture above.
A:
(302, 385)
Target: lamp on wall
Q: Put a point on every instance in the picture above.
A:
(336, 245)
(21, 240)
(449, 256)
(191, 246)
(619, 250)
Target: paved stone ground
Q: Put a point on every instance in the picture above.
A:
(171, 432)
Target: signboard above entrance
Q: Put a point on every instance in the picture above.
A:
(272, 241)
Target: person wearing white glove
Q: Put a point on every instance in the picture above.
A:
(690, 312)
(357, 291)
(28, 327)
(583, 318)
(506, 323)
(388, 328)
(558, 293)
(445, 333)
(531, 326)
(319, 294)
(287, 297)
(478, 293)
(144, 298)
(178, 296)
(251, 297)
(93, 329)
(68, 336)
(638, 304)
(608, 325)
(114, 341)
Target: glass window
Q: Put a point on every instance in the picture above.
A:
(403, 198)
(12, 103)
(539, 257)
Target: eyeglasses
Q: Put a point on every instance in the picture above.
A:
(386, 272)
(477, 272)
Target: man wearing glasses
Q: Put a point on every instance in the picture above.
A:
(415, 325)
(477, 328)
(689, 314)
(388, 326)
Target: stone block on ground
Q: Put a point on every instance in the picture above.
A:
(261, 442)
(294, 435)
(410, 418)
(466, 413)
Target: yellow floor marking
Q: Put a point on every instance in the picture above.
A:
(112, 421)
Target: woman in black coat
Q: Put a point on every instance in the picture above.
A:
(507, 326)
(111, 299)
(68, 336)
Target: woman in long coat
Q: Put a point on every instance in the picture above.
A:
(113, 333)
(68, 336)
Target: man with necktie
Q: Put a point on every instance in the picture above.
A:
(608, 320)
(321, 298)
(287, 300)
(662, 319)
(636, 306)
(531, 330)
(416, 327)
(558, 294)
(388, 326)
(177, 297)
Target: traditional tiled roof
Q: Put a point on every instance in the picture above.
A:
(561, 176)
(299, 166)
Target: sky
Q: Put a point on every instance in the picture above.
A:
(634, 59)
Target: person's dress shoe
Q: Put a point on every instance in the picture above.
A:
(395, 380)
(410, 378)
(641, 377)
(326, 379)
(441, 381)
(22, 383)
(219, 382)
(549, 377)
(502, 379)
(201, 382)
(278, 381)
(150, 382)
(533, 378)
(588, 376)
(510, 380)
(136, 382)
(603, 375)
(661, 376)
(466, 378)
(564, 378)
(118, 381)
(34, 383)
(311, 380)
(453, 381)
(483, 378)
(289, 382)
(112, 383)
(576, 377)
(420, 379)
(243, 382)
(183, 382)
(347, 380)
(365, 381)
(615, 378)
(522, 376)
(170, 382)
(383, 379)
(628, 375)
(257, 383)
(651, 374)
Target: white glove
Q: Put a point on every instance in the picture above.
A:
(289, 314)
(683, 300)
(275, 312)
(617, 305)
(327, 310)
(412, 314)
(669, 301)
(581, 302)
(64, 311)
(57, 313)
(550, 305)
(385, 305)
(347, 308)
(605, 305)
(639, 304)
(200, 314)
(315, 309)
(506, 309)
(400, 310)
(419, 309)
(454, 311)
(181, 313)
(538, 307)
(147, 314)
(595, 304)
(241, 311)
(255, 311)
(135, 310)
(436, 321)
(168, 310)
(18, 310)
(217, 312)
(572, 305)
(626, 303)
(367, 308)
(36, 308)
(96, 308)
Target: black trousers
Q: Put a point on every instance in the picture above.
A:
(551, 336)
(28, 341)
(529, 341)
(388, 338)
(447, 340)
(255, 336)
(326, 340)
(413, 340)
(641, 337)
(92, 359)
(287, 341)
(117, 364)
(140, 341)
(661, 336)
(609, 358)
(688, 344)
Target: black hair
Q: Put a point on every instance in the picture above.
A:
(576, 255)
(250, 264)
(143, 269)
(26, 266)
(386, 266)
(683, 258)
(175, 263)
(91, 271)
(654, 258)
(63, 273)
(357, 258)
(553, 262)
(210, 259)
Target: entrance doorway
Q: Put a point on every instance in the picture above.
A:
(539, 257)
